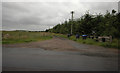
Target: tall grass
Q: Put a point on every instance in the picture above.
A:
(113, 44)
(9, 37)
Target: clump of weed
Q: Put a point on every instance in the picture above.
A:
(84, 42)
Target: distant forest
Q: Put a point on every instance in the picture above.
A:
(99, 25)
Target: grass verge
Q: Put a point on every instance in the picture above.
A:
(11, 37)
(90, 41)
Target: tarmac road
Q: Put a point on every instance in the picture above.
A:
(37, 59)
(58, 54)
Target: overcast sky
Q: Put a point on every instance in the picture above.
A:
(38, 16)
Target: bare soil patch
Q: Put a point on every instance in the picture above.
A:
(61, 44)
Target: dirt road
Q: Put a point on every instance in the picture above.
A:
(61, 44)
(58, 54)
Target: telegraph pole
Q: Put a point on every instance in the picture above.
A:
(117, 27)
(72, 21)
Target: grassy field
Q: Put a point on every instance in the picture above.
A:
(10, 37)
(113, 44)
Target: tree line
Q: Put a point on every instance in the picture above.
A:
(99, 25)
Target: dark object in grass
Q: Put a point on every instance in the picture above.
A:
(88, 36)
(103, 39)
(96, 40)
(77, 36)
(96, 37)
(68, 35)
(92, 37)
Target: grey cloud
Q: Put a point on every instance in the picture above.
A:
(43, 15)
(14, 6)
(30, 20)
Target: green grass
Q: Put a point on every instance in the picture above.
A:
(59, 35)
(23, 37)
(89, 41)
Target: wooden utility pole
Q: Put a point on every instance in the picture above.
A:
(117, 27)
(72, 21)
